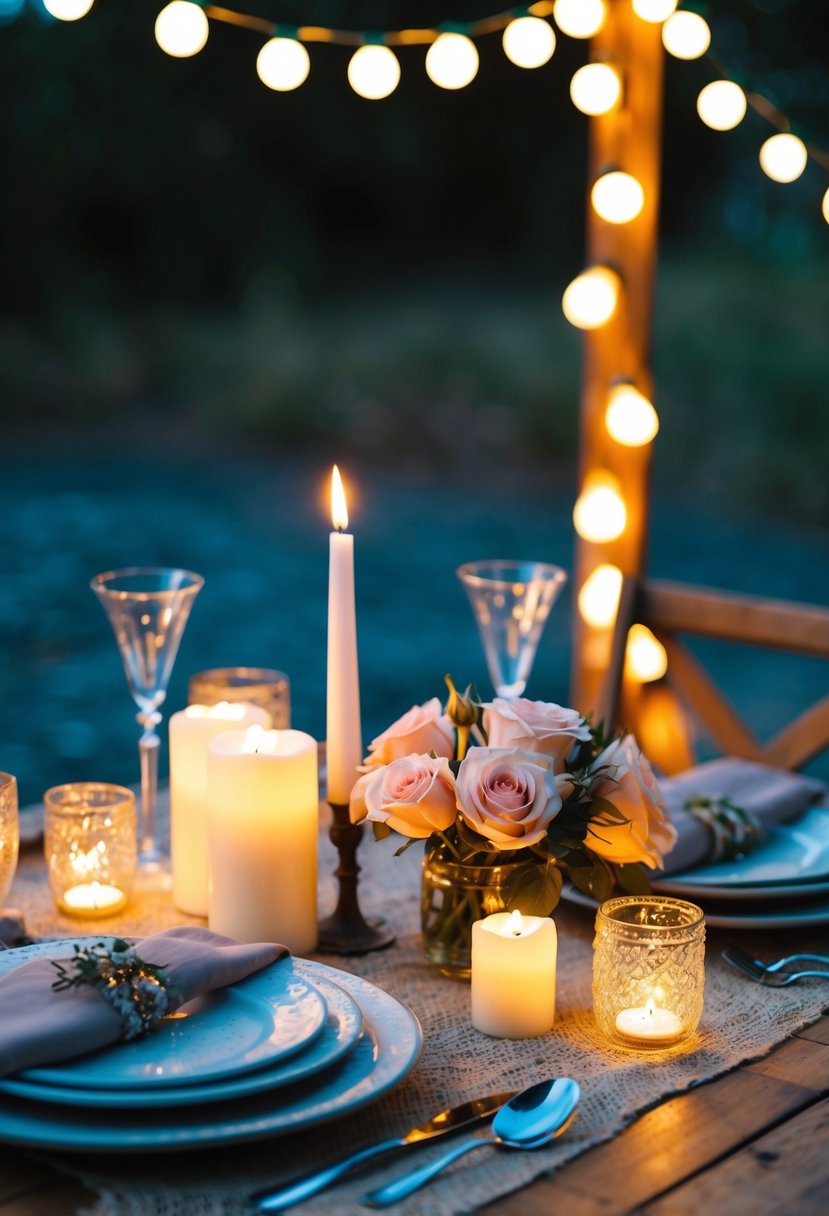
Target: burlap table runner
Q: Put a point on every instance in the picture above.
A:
(741, 1021)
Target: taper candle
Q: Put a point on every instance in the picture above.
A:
(344, 746)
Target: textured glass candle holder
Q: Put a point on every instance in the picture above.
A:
(90, 847)
(262, 686)
(9, 832)
(648, 970)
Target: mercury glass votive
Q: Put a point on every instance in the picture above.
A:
(90, 846)
(9, 832)
(262, 686)
(648, 970)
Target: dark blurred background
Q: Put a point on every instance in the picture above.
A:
(211, 291)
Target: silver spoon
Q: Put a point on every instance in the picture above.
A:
(531, 1119)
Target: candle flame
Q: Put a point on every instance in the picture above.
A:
(339, 511)
(254, 738)
(650, 1006)
(514, 925)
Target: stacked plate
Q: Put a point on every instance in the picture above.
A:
(292, 1046)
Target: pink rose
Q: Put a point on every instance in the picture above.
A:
(414, 795)
(535, 726)
(632, 788)
(422, 730)
(508, 796)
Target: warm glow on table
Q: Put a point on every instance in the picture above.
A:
(514, 975)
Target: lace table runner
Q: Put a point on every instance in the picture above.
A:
(740, 1022)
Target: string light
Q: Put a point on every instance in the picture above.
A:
(595, 88)
(283, 64)
(591, 299)
(599, 596)
(181, 29)
(617, 197)
(452, 61)
(579, 18)
(722, 105)
(67, 10)
(529, 42)
(655, 11)
(630, 418)
(783, 157)
(373, 72)
(686, 35)
(600, 514)
(646, 659)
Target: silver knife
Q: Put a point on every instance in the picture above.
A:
(446, 1121)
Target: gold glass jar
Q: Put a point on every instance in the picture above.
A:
(9, 832)
(262, 686)
(90, 846)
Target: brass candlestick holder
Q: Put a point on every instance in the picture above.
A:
(346, 931)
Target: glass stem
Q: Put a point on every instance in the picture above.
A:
(148, 745)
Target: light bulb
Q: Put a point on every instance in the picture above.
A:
(579, 18)
(630, 418)
(686, 35)
(591, 299)
(181, 29)
(600, 514)
(825, 206)
(373, 72)
(595, 88)
(655, 11)
(645, 657)
(283, 64)
(452, 61)
(617, 197)
(599, 596)
(528, 42)
(67, 10)
(783, 157)
(722, 105)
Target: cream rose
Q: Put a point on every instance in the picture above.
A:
(422, 730)
(509, 796)
(535, 726)
(414, 795)
(631, 786)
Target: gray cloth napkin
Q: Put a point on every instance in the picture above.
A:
(771, 795)
(41, 1026)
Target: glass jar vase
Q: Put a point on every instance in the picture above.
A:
(90, 847)
(648, 970)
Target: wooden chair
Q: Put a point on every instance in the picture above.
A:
(673, 609)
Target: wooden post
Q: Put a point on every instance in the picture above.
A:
(626, 138)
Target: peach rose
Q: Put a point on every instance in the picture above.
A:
(631, 786)
(414, 795)
(422, 730)
(535, 726)
(509, 796)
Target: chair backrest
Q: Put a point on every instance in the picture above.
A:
(673, 609)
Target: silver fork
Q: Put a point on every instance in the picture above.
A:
(770, 975)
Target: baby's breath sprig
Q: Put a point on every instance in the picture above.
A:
(139, 992)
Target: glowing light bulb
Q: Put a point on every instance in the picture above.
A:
(655, 11)
(67, 10)
(595, 88)
(645, 657)
(373, 72)
(783, 157)
(721, 105)
(181, 29)
(591, 299)
(617, 197)
(825, 206)
(600, 514)
(630, 418)
(579, 18)
(283, 64)
(452, 61)
(686, 35)
(528, 42)
(599, 596)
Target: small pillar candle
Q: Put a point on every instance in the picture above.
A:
(514, 975)
(190, 732)
(263, 820)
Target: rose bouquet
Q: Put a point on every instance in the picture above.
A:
(508, 796)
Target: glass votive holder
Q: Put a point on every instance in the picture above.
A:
(90, 846)
(648, 970)
(9, 832)
(262, 686)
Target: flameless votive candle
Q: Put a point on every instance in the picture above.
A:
(514, 975)
(190, 732)
(90, 846)
(648, 970)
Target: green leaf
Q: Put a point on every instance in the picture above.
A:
(597, 880)
(380, 830)
(532, 889)
(633, 879)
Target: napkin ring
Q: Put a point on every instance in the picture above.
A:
(734, 830)
(139, 992)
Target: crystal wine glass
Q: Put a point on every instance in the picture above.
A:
(511, 602)
(148, 607)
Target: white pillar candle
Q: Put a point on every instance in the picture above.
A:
(190, 732)
(649, 1024)
(344, 747)
(263, 819)
(514, 975)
